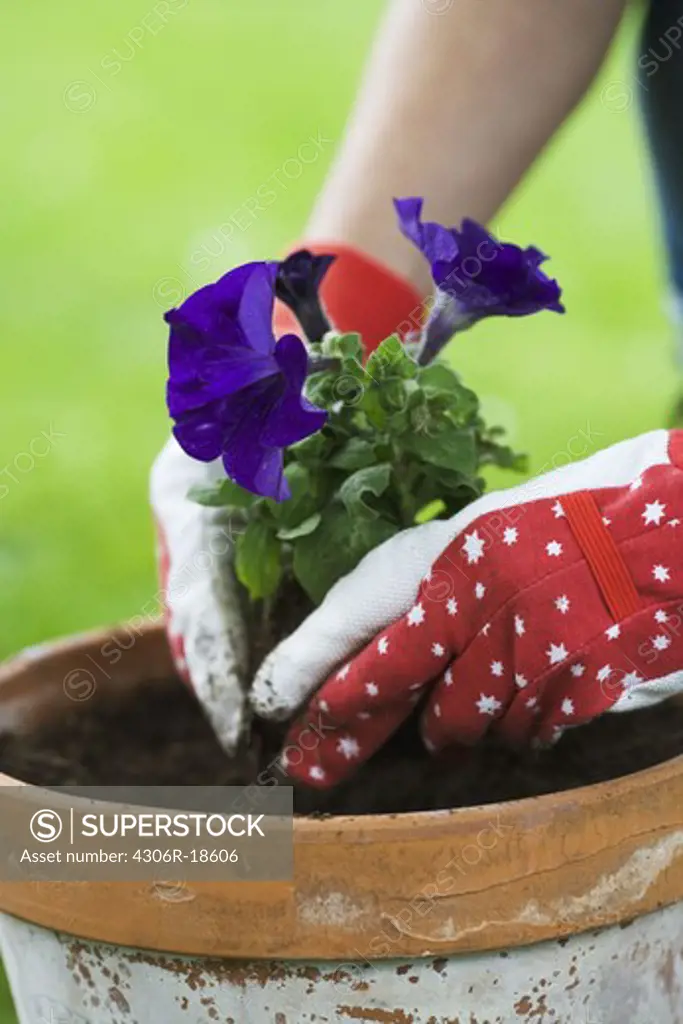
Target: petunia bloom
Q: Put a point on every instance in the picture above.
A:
(476, 276)
(297, 285)
(233, 391)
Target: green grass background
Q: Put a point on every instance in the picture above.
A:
(111, 180)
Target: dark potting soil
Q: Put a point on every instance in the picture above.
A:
(161, 737)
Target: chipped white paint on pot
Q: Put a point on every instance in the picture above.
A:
(632, 973)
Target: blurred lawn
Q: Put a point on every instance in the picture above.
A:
(115, 174)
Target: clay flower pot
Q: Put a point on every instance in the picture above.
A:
(563, 908)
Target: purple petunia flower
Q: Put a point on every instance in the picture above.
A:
(297, 285)
(476, 275)
(234, 391)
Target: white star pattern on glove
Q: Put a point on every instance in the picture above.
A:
(416, 615)
(488, 705)
(348, 747)
(473, 547)
(556, 653)
(654, 513)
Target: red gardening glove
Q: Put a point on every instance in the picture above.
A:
(550, 604)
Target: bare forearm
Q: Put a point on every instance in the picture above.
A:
(456, 107)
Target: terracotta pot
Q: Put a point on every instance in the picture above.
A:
(560, 908)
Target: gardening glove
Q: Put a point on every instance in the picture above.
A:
(204, 615)
(532, 610)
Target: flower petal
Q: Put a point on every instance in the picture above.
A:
(292, 358)
(221, 339)
(215, 305)
(200, 434)
(292, 417)
(232, 389)
(230, 372)
(435, 242)
(248, 460)
(256, 308)
(258, 469)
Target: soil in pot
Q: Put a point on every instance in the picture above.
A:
(159, 736)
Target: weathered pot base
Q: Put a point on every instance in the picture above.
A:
(608, 977)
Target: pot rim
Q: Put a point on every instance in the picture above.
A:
(571, 861)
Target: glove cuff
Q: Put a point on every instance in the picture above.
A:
(361, 294)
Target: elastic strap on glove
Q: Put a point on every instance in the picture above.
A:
(361, 294)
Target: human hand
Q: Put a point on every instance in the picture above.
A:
(534, 609)
(204, 617)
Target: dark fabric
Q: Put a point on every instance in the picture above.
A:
(660, 87)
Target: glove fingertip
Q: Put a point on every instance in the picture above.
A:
(266, 701)
(279, 688)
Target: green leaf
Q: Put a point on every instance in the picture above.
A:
(451, 448)
(301, 503)
(371, 480)
(302, 530)
(394, 395)
(390, 359)
(258, 559)
(355, 454)
(345, 346)
(311, 451)
(492, 453)
(225, 493)
(370, 403)
(336, 547)
(445, 391)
